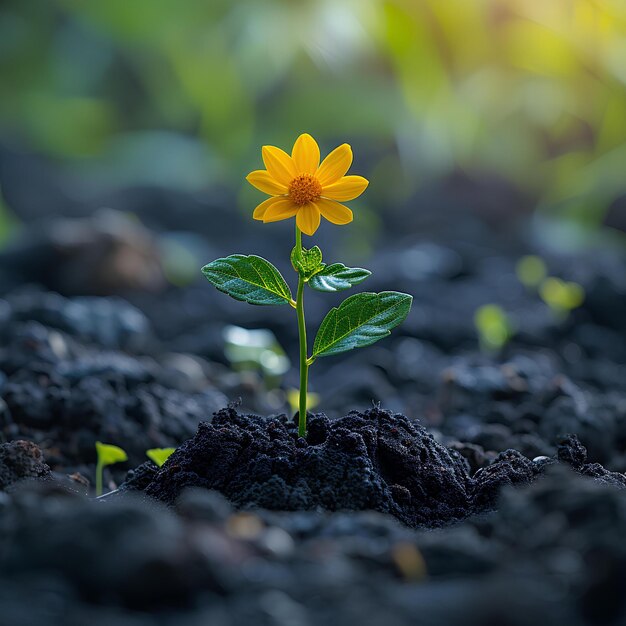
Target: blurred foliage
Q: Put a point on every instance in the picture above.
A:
(530, 90)
(494, 327)
(7, 221)
(531, 271)
(256, 350)
(561, 296)
(293, 399)
(181, 258)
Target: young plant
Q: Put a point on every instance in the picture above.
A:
(107, 455)
(494, 327)
(561, 296)
(159, 455)
(299, 186)
(531, 271)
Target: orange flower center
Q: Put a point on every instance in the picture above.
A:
(304, 189)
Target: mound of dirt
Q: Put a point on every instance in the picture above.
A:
(372, 460)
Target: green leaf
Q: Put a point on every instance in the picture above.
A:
(109, 454)
(360, 321)
(159, 455)
(337, 277)
(307, 262)
(249, 279)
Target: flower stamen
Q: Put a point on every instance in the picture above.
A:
(304, 189)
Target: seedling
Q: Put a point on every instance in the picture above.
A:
(493, 326)
(107, 455)
(561, 296)
(531, 271)
(159, 455)
(299, 186)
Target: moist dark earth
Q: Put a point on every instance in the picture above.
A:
(439, 483)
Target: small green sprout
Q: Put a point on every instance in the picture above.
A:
(493, 326)
(300, 186)
(159, 455)
(531, 271)
(107, 455)
(561, 296)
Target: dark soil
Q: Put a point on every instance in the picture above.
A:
(70, 378)
(490, 492)
(364, 461)
(20, 460)
(552, 553)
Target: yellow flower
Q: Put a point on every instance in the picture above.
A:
(303, 188)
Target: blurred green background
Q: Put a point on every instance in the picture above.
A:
(532, 92)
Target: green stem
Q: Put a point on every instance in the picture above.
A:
(304, 362)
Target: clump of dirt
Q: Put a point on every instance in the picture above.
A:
(20, 460)
(371, 460)
(573, 453)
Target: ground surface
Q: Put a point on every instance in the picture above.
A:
(440, 485)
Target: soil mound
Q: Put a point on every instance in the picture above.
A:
(372, 460)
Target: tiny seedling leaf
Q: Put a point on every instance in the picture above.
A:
(561, 295)
(531, 271)
(307, 262)
(494, 327)
(250, 279)
(159, 455)
(337, 277)
(360, 321)
(109, 454)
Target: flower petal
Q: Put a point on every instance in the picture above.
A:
(348, 188)
(334, 212)
(279, 164)
(282, 209)
(306, 154)
(308, 219)
(259, 212)
(264, 182)
(335, 165)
